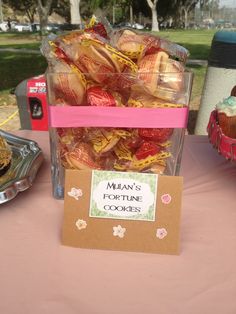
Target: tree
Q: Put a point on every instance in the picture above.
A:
(127, 8)
(108, 7)
(27, 6)
(44, 8)
(141, 7)
(203, 3)
(75, 11)
(153, 6)
(185, 6)
(166, 10)
(62, 8)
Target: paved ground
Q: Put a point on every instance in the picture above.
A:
(5, 113)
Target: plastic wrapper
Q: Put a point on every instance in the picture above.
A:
(99, 96)
(124, 69)
(138, 44)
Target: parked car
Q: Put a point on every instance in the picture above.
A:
(148, 26)
(35, 27)
(129, 25)
(4, 27)
(70, 27)
(138, 26)
(22, 27)
(53, 27)
(123, 25)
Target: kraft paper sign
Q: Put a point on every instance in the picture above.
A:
(122, 211)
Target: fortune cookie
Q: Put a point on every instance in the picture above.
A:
(81, 157)
(150, 66)
(67, 85)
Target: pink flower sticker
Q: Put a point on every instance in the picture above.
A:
(118, 231)
(81, 224)
(166, 198)
(75, 193)
(161, 233)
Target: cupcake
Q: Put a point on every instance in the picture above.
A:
(233, 91)
(226, 112)
(5, 156)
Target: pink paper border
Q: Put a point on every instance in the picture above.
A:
(86, 116)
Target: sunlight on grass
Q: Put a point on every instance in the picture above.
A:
(198, 42)
(188, 36)
(34, 46)
(198, 82)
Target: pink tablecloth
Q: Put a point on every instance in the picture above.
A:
(38, 275)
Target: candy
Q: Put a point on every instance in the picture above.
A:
(98, 96)
(147, 149)
(156, 135)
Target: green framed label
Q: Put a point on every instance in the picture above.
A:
(123, 195)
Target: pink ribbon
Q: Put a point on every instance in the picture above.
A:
(89, 116)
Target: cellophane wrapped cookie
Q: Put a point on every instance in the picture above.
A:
(100, 67)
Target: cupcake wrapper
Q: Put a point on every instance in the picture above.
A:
(227, 124)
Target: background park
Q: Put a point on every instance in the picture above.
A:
(190, 23)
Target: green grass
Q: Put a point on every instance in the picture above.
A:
(17, 35)
(198, 42)
(19, 41)
(31, 46)
(15, 67)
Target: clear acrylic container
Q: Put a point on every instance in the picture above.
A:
(67, 141)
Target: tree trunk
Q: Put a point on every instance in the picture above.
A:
(131, 15)
(75, 12)
(43, 19)
(153, 6)
(185, 18)
(1, 14)
(178, 18)
(43, 12)
(155, 24)
(30, 14)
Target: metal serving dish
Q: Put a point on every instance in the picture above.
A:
(27, 158)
